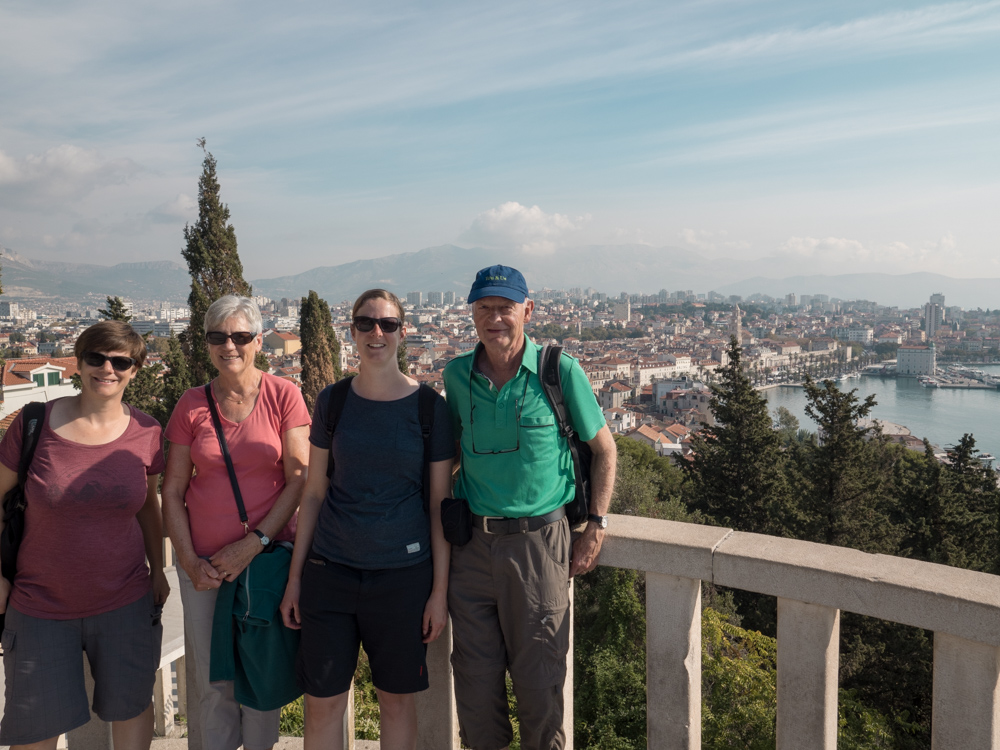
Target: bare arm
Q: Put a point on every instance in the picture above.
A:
(8, 479)
(151, 522)
(309, 507)
(176, 479)
(233, 558)
(587, 548)
(436, 609)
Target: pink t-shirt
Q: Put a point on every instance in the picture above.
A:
(82, 552)
(255, 446)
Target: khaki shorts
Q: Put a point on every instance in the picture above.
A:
(43, 666)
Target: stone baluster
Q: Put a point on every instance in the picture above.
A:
(808, 664)
(673, 662)
(966, 711)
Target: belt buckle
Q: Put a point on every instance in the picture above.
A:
(486, 522)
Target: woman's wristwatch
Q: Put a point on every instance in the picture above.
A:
(264, 538)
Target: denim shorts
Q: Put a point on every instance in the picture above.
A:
(43, 666)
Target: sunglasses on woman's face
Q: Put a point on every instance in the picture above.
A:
(240, 338)
(365, 324)
(119, 364)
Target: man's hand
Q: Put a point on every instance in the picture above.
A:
(586, 550)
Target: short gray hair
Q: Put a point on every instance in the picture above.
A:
(234, 306)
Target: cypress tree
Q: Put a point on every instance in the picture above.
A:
(735, 475)
(404, 366)
(215, 267)
(320, 347)
(177, 378)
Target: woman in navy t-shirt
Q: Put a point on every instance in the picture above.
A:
(370, 565)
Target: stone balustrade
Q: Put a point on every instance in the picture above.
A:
(813, 583)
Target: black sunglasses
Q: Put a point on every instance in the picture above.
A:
(365, 324)
(119, 364)
(240, 338)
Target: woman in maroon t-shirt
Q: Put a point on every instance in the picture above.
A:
(92, 520)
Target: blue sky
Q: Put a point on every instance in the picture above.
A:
(816, 137)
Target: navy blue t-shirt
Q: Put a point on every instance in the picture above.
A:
(373, 514)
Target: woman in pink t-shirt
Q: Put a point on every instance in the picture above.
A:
(266, 425)
(92, 519)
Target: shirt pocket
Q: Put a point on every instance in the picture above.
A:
(539, 438)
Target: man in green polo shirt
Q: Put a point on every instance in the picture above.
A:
(508, 590)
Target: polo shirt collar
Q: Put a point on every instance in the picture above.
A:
(529, 358)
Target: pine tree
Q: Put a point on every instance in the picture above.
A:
(735, 474)
(320, 347)
(977, 498)
(115, 310)
(848, 473)
(214, 264)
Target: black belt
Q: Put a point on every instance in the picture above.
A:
(501, 525)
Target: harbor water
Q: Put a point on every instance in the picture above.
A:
(942, 415)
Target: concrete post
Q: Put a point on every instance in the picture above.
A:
(348, 720)
(568, 684)
(192, 698)
(180, 669)
(163, 702)
(673, 662)
(966, 711)
(437, 727)
(808, 665)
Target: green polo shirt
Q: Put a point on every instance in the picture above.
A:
(514, 461)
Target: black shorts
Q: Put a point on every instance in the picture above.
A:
(344, 607)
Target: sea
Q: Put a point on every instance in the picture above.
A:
(942, 415)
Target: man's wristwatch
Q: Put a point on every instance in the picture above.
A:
(601, 521)
(264, 538)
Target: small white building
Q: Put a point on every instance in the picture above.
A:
(913, 361)
(35, 379)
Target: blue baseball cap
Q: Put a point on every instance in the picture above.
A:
(499, 281)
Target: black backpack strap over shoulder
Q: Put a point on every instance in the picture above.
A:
(31, 427)
(550, 376)
(334, 408)
(426, 397)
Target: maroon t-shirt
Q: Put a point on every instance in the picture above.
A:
(83, 552)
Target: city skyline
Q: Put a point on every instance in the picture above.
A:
(808, 141)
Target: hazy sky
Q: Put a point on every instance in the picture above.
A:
(828, 137)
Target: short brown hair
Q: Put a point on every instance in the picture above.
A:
(378, 294)
(111, 336)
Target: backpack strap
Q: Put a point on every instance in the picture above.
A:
(334, 408)
(31, 426)
(551, 379)
(426, 397)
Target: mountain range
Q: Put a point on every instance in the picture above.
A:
(607, 268)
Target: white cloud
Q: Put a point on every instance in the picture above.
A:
(511, 225)
(706, 240)
(840, 254)
(62, 172)
(181, 208)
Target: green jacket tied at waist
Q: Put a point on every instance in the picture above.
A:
(250, 644)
